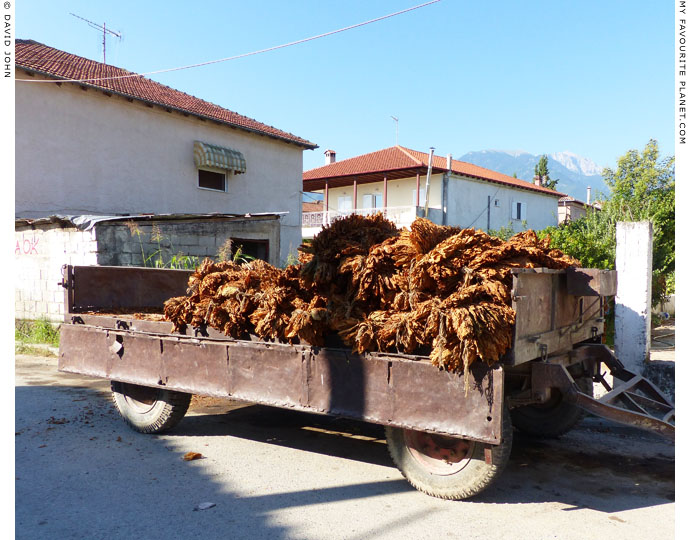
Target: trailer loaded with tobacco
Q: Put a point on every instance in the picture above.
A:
(448, 337)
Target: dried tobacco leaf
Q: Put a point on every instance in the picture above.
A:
(437, 289)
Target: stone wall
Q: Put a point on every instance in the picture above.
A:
(42, 250)
(130, 244)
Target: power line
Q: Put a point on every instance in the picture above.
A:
(240, 55)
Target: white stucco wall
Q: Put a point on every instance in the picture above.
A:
(467, 205)
(83, 152)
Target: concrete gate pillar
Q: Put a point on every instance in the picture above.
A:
(634, 295)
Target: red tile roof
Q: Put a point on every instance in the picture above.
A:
(399, 162)
(312, 206)
(38, 58)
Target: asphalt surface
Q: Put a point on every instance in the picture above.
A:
(80, 472)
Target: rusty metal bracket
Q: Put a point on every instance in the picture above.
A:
(634, 401)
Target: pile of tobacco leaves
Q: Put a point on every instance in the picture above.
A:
(436, 290)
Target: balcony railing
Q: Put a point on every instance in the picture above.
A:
(402, 216)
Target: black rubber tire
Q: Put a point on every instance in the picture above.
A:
(474, 477)
(555, 417)
(149, 410)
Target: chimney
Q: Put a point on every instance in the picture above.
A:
(330, 156)
(589, 195)
(537, 180)
(449, 162)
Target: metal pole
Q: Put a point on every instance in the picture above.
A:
(488, 213)
(428, 178)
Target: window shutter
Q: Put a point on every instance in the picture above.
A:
(519, 211)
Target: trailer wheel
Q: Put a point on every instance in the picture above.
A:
(447, 467)
(553, 418)
(149, 410)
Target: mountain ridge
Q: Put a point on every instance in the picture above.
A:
(574, 173)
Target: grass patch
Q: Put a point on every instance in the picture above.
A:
(23, 348)
(27, 332)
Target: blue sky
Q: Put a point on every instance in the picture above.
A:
(592, 77)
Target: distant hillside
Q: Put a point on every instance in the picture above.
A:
(574, 173)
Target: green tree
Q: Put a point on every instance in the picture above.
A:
(642, 188)
(542, 169)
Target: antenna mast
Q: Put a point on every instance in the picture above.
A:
(395, 118)
(100, 29)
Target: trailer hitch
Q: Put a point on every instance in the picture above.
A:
(634, 400)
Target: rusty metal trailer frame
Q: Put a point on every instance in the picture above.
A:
(391, 390)
(559, 314)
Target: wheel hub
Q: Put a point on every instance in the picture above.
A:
(439, 454)
(141, 398)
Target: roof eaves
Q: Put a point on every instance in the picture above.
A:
(508, 184)
(307, 145)
(354, 174)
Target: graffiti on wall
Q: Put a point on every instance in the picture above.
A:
(27, 246)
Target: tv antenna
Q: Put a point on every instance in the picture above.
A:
(395, 119)
(100, 28)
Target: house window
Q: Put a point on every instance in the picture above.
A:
(212, 180)
(372, 200)
(519, 211)
(345, 203)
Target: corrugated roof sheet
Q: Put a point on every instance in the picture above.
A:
(398, 158)
(86, 222)
(42, 59)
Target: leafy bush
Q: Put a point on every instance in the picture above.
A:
(642, 188)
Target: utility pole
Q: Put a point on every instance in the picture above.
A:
(428, 179)
(100, 28)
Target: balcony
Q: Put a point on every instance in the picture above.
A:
(402, 216)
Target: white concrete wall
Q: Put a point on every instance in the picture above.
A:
(467, 205)
(38, 258)
(82, 152)
(633, 316)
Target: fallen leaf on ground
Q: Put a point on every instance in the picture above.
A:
(189, 456)
(204, 506)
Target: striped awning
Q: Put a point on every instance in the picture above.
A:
(210, 155)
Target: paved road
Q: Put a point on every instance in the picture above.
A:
(272, 474)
